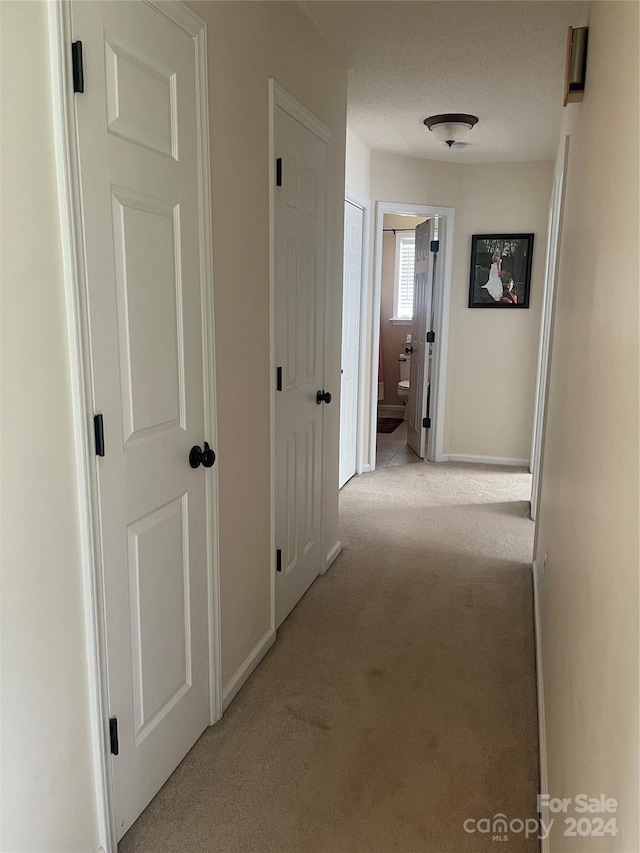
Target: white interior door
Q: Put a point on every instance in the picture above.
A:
(419, 373)
(299, 247)
(352, 285)
(139, 147)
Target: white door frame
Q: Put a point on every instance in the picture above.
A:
(72, 229)
(556, 209)
(279, 97)
(355, 198)
(442, 310)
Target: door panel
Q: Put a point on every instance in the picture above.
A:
(159, 591)
(138, 139)
(419, 372)
(147, 260)
(352, 283)
(299, 236)
(141, 100)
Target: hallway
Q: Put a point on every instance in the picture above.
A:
(400, 697)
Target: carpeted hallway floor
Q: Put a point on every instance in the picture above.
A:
(399, 699)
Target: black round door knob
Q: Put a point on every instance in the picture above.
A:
(198, 456)
(323, 397)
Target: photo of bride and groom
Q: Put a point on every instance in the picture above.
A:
(500, 270)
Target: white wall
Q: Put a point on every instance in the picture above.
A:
(588, 514)
(47, 776)
(492, 354)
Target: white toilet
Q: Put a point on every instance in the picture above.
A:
(403, 385)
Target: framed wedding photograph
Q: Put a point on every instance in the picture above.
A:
(500, 270)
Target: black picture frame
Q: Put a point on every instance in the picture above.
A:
(512, 270)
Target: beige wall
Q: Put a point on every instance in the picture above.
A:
(392, 337)
(588, 514)
(248, 43)
(47, 775)
(492, 354)
(46, 767)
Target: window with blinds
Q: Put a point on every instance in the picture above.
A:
(403, 283)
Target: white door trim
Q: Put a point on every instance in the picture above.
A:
(298, 111)
(556, 209)
(279, 97)
(72, 243)
(354, 197)
(438, 391)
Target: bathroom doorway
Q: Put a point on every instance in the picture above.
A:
(394, 349)
(404, 328)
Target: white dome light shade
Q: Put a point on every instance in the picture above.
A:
(451, 127)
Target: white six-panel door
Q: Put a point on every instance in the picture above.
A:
(139, 149)
(419, 373)
(352, 284)
(299, 252)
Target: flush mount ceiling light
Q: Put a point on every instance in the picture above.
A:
(451, 127)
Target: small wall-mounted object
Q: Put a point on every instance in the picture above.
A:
(576, 65)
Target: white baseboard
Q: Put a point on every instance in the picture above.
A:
(332, 556)
(542, 732)
(390, 411)
(365, 469)
(253, 659)
(487, 460)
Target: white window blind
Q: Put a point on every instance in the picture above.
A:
(404, 274)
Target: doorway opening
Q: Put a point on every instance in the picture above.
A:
(409, 331)
(395, 349)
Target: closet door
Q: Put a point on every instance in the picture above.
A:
(299, 244)
(139, 142)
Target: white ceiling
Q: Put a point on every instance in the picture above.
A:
(502, 61)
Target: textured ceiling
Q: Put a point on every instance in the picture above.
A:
(502, 61)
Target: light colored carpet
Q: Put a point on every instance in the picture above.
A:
(399, 699)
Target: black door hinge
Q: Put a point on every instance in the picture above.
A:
(426, 423)
(98, 432)
(431, 337)
(279, 172)
(78, 66)
(113, 735)
(435, 246)
(279, 560)
(279, 379)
